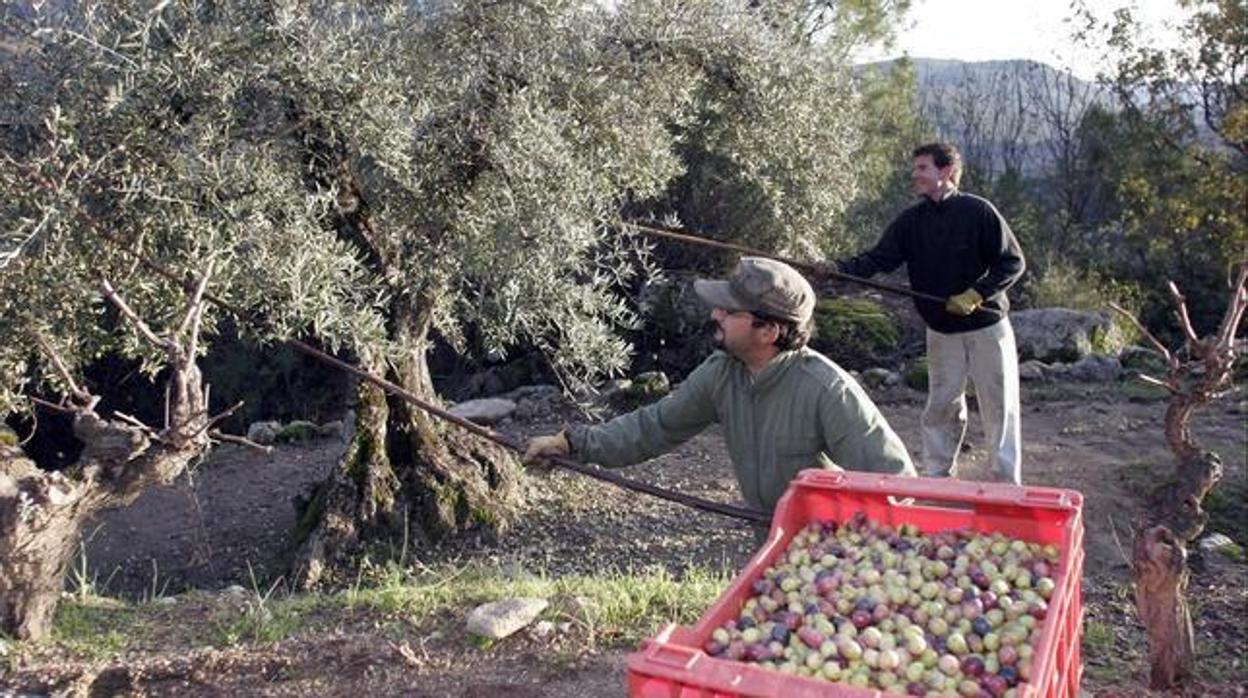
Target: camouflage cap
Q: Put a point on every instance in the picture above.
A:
(763, 286)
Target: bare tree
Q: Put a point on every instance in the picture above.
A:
(1196, 376)
(1061, 103)
(985, 112)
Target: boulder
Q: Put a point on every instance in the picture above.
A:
(489, 410)
(482, 383)
(1062, 334)
(499, 619)
(535, 401)
(1095, 369)
(1032, 371)
(263, 433)
(880, 378)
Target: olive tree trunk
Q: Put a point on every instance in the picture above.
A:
(42, 512)
(406, 477)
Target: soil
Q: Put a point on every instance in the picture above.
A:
(229, 522)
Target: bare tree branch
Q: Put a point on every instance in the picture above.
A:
(1235, 310)
(195, 310)
(1172, 387)
(51, 405)
(1185, 320)
(213, 421)
(240, 440)
(1144, 330)
(135, 421)
(147, 333)
(81, 395)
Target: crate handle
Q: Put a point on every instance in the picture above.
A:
(947, 489)
(1055, 498)
(825, 478)
(673, 656)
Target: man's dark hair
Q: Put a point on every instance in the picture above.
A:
(792, 335)
(943, 155)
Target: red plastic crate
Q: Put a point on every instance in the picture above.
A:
(673, 665)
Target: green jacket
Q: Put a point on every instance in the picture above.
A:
(802, 411)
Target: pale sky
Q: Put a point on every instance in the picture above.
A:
(980, 30)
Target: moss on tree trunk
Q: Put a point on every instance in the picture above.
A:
(406, 476)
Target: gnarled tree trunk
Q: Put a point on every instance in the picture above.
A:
(42, 513)
(1175, 517)
(406, 476)
(1160, 575)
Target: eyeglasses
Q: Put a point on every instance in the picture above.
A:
(755, 319)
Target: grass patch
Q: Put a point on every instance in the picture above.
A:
(609, 608)
(266, 621)
(1104, 659)
(612, 606)
(1227, 505)
(1098, 639)
(97, 628)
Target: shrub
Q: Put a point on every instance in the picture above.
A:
(856, 333)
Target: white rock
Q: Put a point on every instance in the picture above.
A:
(236, 595)
(4, 648)
(484, 411)
(502, 618)
(1215, 542)
(543, 628)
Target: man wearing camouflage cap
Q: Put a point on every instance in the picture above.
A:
(783, 406)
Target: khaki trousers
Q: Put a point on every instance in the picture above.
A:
(988, 356)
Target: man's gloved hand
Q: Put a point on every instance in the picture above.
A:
(538, 447)
(964, 303)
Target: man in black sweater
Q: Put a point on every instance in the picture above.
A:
(957, 246)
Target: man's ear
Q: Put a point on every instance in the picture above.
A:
(771, 332)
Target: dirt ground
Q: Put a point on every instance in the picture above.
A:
(230, 521)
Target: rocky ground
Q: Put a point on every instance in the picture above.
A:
(228, 524)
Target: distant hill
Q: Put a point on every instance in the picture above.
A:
(1002, 114)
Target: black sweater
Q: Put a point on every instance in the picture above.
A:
(959, 243)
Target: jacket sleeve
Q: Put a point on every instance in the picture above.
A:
(857, 437)
(1000, 249)
(654, 429)
(887, 255)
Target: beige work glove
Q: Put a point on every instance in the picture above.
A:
(539, 447)
(964, 303)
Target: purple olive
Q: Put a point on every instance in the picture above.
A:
(973, 665)
(1010, 674)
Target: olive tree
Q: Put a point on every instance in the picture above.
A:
(378, 177)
